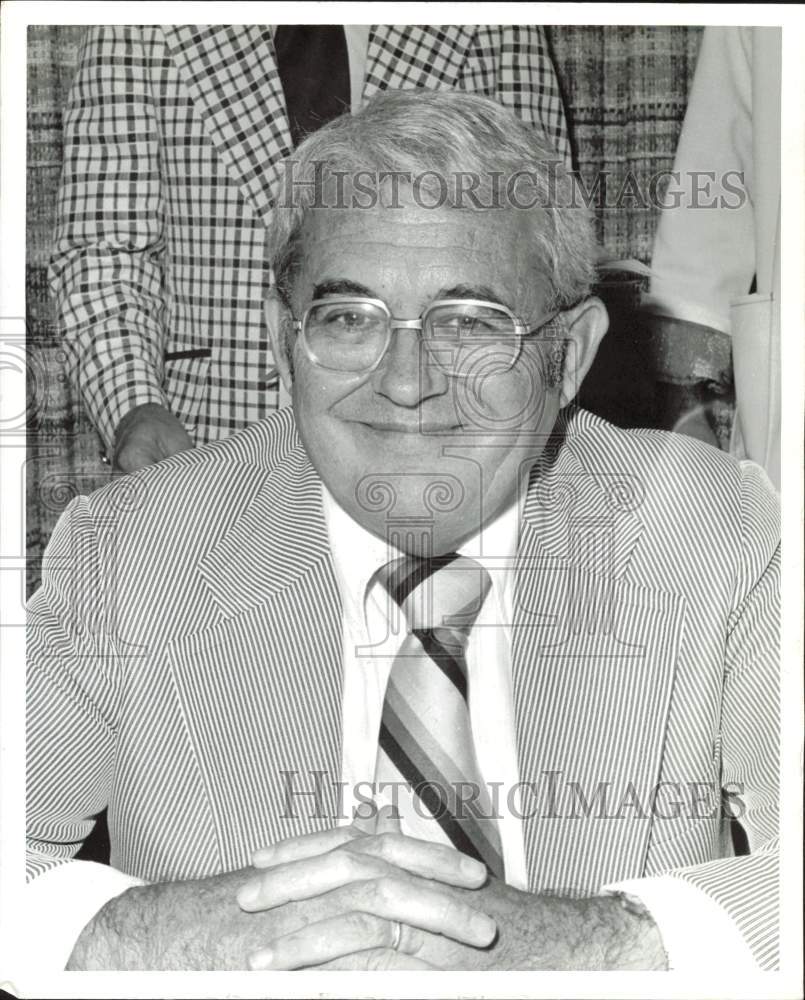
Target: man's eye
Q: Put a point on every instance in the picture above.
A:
(457, 322)
(465, 325)
(348, 319)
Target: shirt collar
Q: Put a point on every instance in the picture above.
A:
(358, 554)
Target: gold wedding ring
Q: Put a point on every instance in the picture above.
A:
(395, 943)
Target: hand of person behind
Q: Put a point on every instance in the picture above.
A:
(147, 434)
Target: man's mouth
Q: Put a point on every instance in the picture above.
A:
(412, 427)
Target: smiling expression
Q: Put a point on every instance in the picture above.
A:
(406, 443)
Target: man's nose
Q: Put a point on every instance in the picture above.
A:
(406, 376)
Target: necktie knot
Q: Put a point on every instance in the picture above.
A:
(443, 594)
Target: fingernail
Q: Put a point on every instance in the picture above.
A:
(248, 894)
(262, 856)
(261, 959)
(484, 927)
(472, 868)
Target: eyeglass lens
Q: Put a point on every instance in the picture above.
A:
(458, 337)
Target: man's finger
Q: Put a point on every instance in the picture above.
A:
(420, 904)
(334, 938)
(410, 901)
(440, 862)
(383, 961)
(366, 858)
(307, 878)
(299, 848)
(388, 821)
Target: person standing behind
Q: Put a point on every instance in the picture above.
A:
(174, 139)
(716, 260)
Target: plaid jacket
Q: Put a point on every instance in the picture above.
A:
(173, 142)
(178, 665)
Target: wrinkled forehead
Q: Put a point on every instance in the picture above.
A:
(448, 227)
(399, 249)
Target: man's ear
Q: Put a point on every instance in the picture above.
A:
(279, 323)
(584, 328)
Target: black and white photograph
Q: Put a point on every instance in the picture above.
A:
(398, 438)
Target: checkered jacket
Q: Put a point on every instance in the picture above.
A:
(174, 138)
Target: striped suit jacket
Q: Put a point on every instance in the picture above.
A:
(174, 141)
(185, 651)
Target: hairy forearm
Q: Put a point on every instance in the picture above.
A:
(192, 925)
(542, 932)
(602, 932)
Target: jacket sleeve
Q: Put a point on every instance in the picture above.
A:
(512, 63)
(72, 683)
(106, 271)
(704, 249)
(748, 887)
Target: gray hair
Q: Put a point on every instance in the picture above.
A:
(444, 134)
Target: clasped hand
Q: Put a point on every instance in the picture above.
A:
(350, 899)
(359, 886)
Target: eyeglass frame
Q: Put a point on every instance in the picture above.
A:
(521, 330)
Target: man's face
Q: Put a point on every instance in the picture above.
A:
(408, 447)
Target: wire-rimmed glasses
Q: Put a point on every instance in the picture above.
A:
(347, 333)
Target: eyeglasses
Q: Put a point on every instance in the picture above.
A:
(463, 337)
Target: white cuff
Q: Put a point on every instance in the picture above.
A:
(59, 904)
(696, 932)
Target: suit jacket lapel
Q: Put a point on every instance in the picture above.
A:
(277, 540)
(403, 56)
(231, 74)
(593, 661)
(261, 689)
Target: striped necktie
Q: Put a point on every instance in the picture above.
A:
(425, 735)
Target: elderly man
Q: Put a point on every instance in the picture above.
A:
(434, 607)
